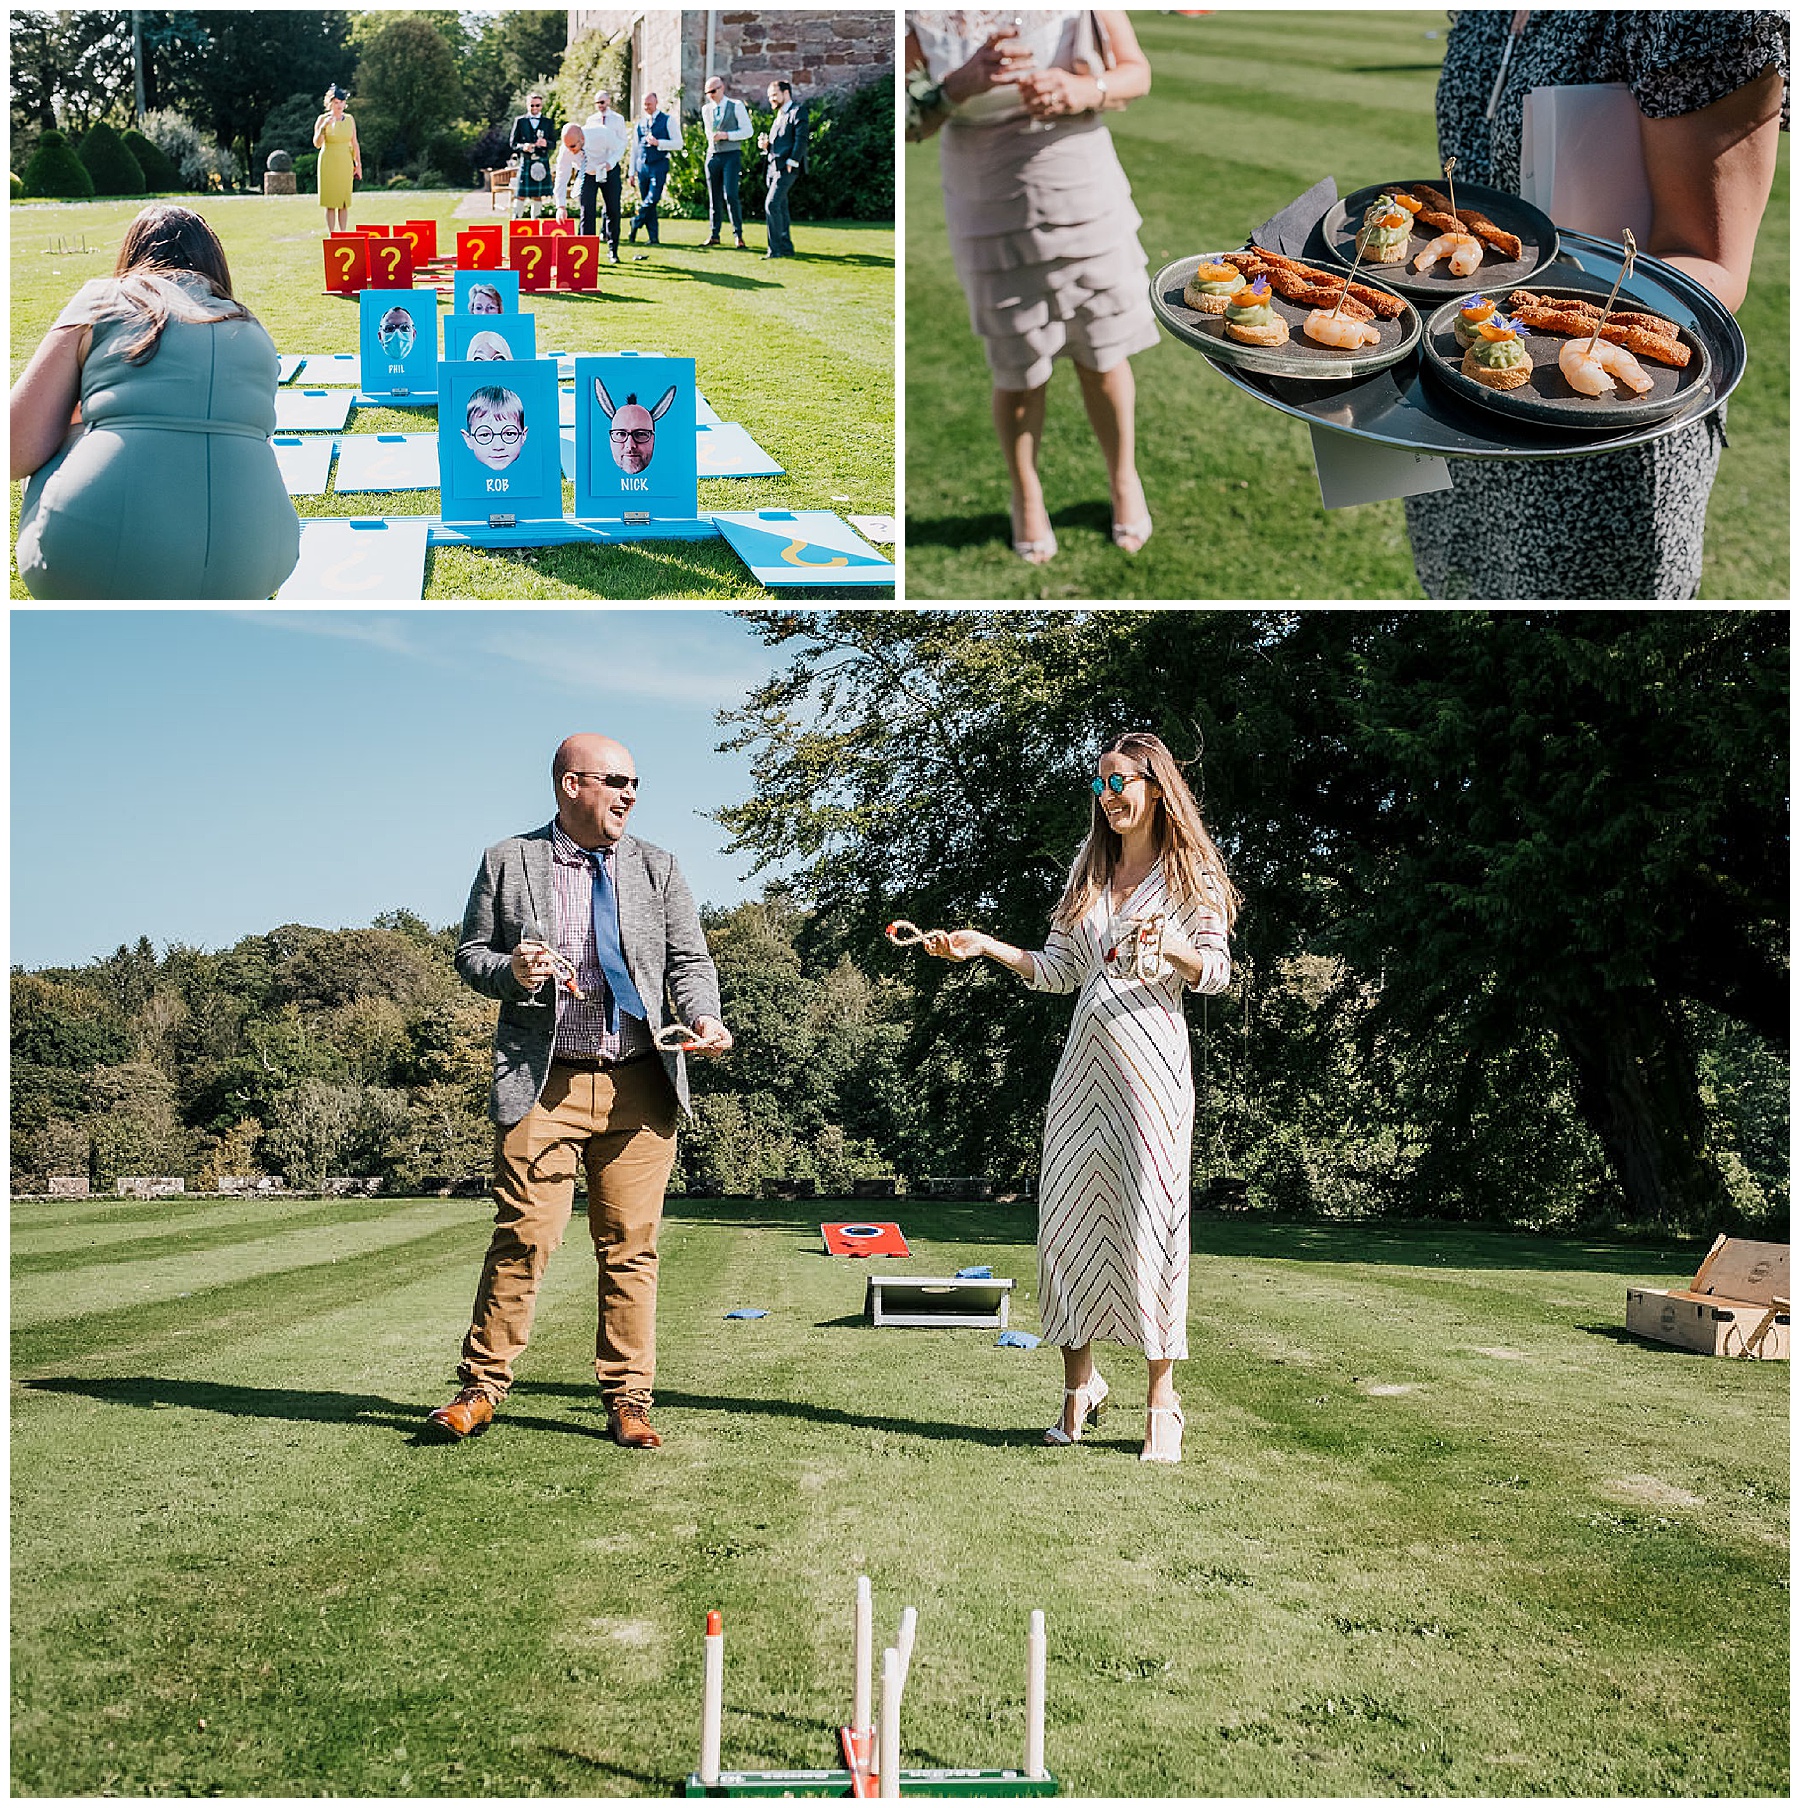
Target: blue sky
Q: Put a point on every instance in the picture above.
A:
(197, 776)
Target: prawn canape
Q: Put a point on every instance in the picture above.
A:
(1470, 316)
(1324, 327)
(1385, 233)
(1251, 317)
(1496, 359)
(1212, 286)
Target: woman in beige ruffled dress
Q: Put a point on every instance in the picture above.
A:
(1042, 228)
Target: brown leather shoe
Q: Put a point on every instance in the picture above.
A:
(629, 1424)
(471, 1411)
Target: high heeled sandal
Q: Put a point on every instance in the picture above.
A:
(1153, 1451)
(1036, 552)
(1088, 1403)
(1140, 531)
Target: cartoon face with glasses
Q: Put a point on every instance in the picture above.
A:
(633, 431)
(494, 430)
(398, 333)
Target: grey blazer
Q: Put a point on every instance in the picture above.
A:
(513, 900)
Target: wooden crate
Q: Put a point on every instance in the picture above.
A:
(1736, 1305)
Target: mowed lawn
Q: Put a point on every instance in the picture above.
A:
(1247, 111)
(800, 353)
(1442, 1528)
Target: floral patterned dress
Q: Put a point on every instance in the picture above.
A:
(1635, 524)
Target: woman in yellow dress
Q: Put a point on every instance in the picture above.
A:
(340, 158)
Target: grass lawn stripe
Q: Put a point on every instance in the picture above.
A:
(1231, 483)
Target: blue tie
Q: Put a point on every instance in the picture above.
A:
(621, 994)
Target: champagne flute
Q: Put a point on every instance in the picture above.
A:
(1024, 65)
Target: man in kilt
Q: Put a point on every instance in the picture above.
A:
(533, 142)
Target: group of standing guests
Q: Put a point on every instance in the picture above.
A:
(599, 153)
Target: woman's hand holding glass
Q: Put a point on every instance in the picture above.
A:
(1056, 93)
(997, 64)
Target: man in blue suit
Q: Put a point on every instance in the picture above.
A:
(785, 142)
(652, 139)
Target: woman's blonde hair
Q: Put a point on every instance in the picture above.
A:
(1192, 865)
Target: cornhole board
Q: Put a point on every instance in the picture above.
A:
(311, 410)
(727, 450)
(812, 548)
(387, 461)
(863, 1239)
(370, 560)
(305, 461)
(1736, 1305)
(910, 1299)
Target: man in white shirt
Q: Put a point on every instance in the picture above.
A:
(727, 125)
(609, 137)
(575, 159)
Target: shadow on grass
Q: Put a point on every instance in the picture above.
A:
(980, 530)
(933, 1431)
(297, 1405)
(320, 1406)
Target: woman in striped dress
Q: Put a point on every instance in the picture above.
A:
(1113, 1187)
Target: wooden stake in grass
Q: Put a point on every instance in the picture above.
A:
(887, 1750)
(712, 1697)
(861, 1657)
(1037, 1651)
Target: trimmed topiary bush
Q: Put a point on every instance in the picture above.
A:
(55, 171)
(109, 163)
(161, 177)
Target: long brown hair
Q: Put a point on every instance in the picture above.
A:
(170, 241)
(1192, 864)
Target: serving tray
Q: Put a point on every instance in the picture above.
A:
(1403, 408)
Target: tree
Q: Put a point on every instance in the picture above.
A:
(133, 1124)
(410, 89)
(109, 162)
(161, 176)
(1539, 839)
(229, 70)
(515, 50)
(55, 171)
(69, 68)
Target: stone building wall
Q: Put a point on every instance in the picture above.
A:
(817, 52)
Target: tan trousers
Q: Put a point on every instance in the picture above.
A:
(622, 1124)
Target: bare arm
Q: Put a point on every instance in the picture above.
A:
(319, 126)
(996, 64)
(355, 152)
(1710, 174)
(44, 399)
(968, 944)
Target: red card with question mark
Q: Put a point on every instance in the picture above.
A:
(346, 263)
(578, 263)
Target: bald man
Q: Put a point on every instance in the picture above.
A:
(587, 936)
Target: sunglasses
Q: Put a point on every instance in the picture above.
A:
(1115, 782)
(613, 781)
